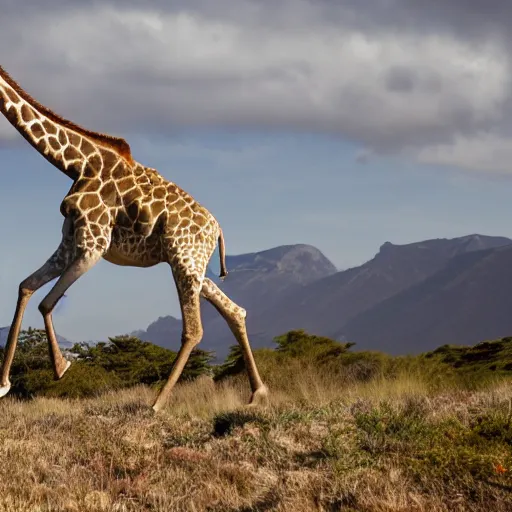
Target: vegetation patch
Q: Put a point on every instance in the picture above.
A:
(343, 430)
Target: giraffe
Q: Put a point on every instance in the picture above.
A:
(129, 215)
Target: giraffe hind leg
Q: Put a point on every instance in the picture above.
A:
(235, 318)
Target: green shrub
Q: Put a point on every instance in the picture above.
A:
(495, 425)
(134, 361)
(83, 380)
(462, 456)
(122, 362)
(233, 364)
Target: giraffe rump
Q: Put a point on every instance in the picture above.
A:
(116, 143)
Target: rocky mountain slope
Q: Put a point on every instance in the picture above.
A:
(466, 302)
(324, 306)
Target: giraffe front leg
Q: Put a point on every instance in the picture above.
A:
(78, 267)
(50, 270)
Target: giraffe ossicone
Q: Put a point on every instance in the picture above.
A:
(128, 214)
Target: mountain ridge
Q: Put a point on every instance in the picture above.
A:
(465, 302)
(334, 299)
(319, 299)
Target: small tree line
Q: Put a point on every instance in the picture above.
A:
(126, 361)
(121, 362)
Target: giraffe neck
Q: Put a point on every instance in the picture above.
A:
(49, 139)
(69, 147)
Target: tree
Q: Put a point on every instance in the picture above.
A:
(121, 362)
(233, 365)
(31, 369)
(299, 343)
(140, 362)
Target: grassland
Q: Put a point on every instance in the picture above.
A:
(416, 439)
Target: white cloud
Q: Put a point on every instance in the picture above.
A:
(126, 70)
(482, 152)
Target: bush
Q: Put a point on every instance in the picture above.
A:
(233, 365)
(299, 351)
(83, 380)
(134, 361)
(122, 362)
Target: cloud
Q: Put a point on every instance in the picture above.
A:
(479, 152)
(390, 76)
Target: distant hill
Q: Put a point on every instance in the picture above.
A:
(264, 277)
(465, 302)
(165, 331)
(325, 305)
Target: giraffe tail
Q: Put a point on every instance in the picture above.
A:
(222, 256)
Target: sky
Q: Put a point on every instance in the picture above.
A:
(338, 123)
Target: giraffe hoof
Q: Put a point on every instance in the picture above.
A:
(259, 397)
(66, 368)
(5, 389)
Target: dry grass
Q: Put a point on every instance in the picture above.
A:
(378, 446)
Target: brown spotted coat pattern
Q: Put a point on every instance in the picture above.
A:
(126, 213)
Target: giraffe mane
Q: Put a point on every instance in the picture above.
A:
(116, 143)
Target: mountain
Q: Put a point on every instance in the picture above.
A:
(465, 302)
(165, 331)
(296, 287)
(4, 333)
(256, 281)
(262, 278)
(325, 305)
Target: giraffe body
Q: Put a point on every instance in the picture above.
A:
(126, 213)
